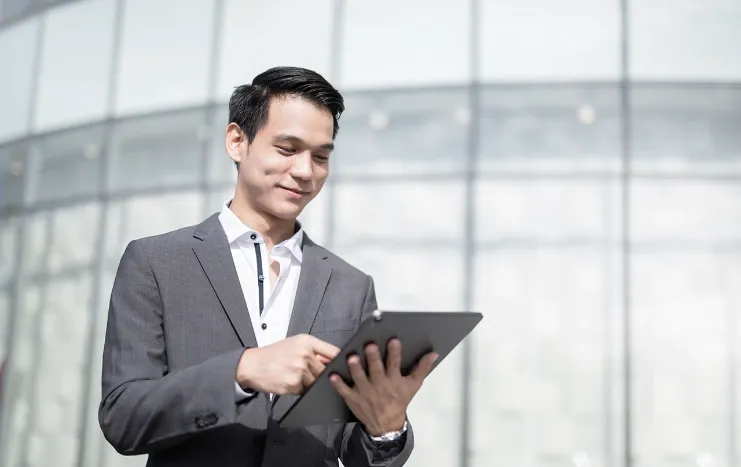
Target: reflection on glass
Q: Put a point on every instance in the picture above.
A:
(220, 168)
(73, 87)
(545, 278)
(382, 212)
(69, 165)
(661, 49)
(12, 9)
(412, 132)
(14, 163)
(399, 55)
(158, 151)
(688, 131)
(414, 279)
(143, 216)
(17, 46)
(8, 245)
(159, 74)
(243, 53)
(541, 40)
(80, 223)
(562, 130)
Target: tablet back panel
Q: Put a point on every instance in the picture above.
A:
(419, 332)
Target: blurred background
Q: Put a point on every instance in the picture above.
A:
(569, 168)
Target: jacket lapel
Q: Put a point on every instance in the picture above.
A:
(312, 283)
(215, 257)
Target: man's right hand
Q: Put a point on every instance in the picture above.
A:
(286, 367)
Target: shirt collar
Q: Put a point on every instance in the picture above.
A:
(235, 230)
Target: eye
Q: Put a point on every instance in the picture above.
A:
(286, 151)
(321, 158)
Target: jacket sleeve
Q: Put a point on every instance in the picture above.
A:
(357, 449)
(146, 408)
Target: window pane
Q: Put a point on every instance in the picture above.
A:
(74, 236)
(418, 132)
(220, 168)
(13, 165)
(685, 39)
(4, 323)
(73, 87)
(381, 48)
(165, 54)
(563, 130)
(379, 214)
(15, 8)
(685, 215)
(158, 151)
(17, 52)
(686, 130)
(542, 40)
(546, 279)
(410, 278)
(55, 418)
(36, 243)
(94, 441)
(69, 165)
(373, 233)
(19, 375)
(684, 269)
(8, 245)
(302, 38)
(143, 216)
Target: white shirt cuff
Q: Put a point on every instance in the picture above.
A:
(241, 394)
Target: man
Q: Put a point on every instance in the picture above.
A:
(215, 329)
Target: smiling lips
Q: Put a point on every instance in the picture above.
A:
(294, 193)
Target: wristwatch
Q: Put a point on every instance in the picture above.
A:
(391, 436)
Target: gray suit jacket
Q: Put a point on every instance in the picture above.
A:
(177, 326)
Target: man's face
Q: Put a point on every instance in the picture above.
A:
(287, 163)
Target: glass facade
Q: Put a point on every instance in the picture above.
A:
(571, 169)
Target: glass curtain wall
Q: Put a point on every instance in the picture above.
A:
(571, 169)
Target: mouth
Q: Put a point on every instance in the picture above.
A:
(294, 193)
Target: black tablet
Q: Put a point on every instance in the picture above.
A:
(420, 332)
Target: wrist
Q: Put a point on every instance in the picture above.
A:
(245, 376)
(393, 426)
(390, 436)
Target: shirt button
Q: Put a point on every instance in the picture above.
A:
(253, 236)
(264, 326)
(261, 278)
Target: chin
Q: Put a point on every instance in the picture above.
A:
(287, 212)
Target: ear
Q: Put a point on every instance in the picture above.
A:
(236, 142)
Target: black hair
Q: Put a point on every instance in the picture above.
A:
(249, 104)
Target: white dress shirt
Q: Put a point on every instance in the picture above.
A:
(253, 269)
(270, 324)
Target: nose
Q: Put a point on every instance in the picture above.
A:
(302, 167)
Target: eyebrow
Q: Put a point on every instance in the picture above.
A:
(299, 141)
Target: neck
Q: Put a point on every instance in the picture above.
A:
(273, 229)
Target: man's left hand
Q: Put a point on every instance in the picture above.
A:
(380, 398)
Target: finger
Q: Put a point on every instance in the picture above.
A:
(322, 348)
(342, 389)
(376, 370)
(323, 360)
(315, 366)
(307, 379)
(393, 358)
(424, 367)
(357, 373)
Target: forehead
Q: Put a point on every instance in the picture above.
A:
(300, 118)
